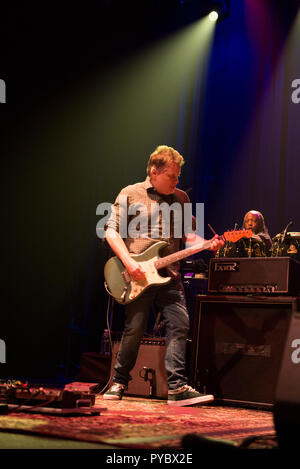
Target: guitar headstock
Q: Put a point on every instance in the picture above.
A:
(235, 235)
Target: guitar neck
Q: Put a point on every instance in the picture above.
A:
(178, 256)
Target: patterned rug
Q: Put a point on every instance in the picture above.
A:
(146, 424)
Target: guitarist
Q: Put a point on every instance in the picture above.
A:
(163, 171)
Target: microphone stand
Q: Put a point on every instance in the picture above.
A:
(282, 238)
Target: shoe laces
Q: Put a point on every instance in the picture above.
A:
(186, 387)
(117, 387)
(183, 388)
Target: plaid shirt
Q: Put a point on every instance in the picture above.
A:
(133, 217)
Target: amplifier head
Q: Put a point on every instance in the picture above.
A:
(261, 275)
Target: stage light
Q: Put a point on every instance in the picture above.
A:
(213, 16)
(216, 10)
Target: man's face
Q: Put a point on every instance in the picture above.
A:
(165, 180)
(251, 222)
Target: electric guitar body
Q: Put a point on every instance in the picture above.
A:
(124, 289)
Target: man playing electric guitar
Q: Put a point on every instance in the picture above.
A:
(127, 241)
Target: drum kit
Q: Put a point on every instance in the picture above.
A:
(245, 247)
(285, 244)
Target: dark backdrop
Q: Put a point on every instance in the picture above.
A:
(91, 91)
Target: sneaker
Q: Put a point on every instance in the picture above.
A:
(115, 392)
(186, 395)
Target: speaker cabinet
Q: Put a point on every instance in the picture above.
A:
(149, 377)
(237, 346)
(287, 400)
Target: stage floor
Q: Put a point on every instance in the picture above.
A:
(140, 424)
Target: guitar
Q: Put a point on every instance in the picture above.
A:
(119, 284)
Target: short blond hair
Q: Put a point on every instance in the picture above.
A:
(163, 155)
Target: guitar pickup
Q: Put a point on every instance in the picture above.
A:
(126, 276)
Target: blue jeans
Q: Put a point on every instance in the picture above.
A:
(170, 301)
